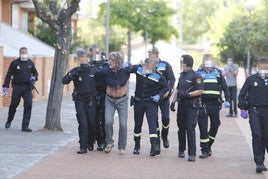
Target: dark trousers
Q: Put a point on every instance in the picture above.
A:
(207, 137)
(85, 114)
(150, 109)
(100, 119)
(164, 108)
(233, 99)
(25, 92)
(259, 130)
(186, 122)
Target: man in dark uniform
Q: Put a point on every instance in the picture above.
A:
(165, 69)
(99, 62)
(84, 96)
(214, 84)
(24, 76)
(189, 89)
(150, 88)
(253, 97)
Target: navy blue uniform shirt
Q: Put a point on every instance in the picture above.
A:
(256, 90)
(100, 83)
(165, 69)
(83, 79)
(150, 84)
(190, 81)
(21, 71)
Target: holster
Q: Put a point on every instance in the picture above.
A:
(132, 100)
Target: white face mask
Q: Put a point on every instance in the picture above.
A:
(230, 62)
(208, 64)
(263, 73)
(23, 57)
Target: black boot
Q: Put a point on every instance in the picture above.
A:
(137, 147)
(155, 146)
(164, 134)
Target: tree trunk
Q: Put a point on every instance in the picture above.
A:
(55, 93)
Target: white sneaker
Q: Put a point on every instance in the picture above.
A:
(108, 148)
(122, 151)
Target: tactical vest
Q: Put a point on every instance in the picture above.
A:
(212, 89)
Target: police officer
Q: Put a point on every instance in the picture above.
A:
(187, 94)
(214, 83)
(165, 69)
(24, 76)
(253, 97)
(84, 96)
(150, 88)
(98, 61)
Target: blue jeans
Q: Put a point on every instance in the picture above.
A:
(121, 105)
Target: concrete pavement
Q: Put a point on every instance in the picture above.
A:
(42, 154)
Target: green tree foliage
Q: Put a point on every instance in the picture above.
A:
(246, 32)
(45, 34)
(195, 14)
(141, 16)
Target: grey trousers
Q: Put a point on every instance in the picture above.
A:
(121, 106)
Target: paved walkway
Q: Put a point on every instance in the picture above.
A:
(42, 154)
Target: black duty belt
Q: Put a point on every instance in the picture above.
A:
(116, 97)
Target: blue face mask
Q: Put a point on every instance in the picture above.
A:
(230, 62)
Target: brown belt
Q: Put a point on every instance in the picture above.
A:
(116, 97)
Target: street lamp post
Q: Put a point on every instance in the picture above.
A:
(107, 27)
(250, 6)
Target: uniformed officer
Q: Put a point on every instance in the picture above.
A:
(165, 69)
(187, 94)
(24, 76)
(84, 97)
(150, 88)
(214, 83)
(99, 61)
(253, 97)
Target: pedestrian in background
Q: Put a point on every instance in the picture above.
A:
(189, 88)
(24, 76)
(253, 101)
(165, 69)
(99, 61)
(150, 88)
(84, 97)
(116, 77)
(230, 72)
(214, 84)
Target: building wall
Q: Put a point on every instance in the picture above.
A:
(44, 66)
(6, 11)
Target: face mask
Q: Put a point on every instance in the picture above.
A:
(208, 64)
(263, 73)
(23, 57)
(229, 62)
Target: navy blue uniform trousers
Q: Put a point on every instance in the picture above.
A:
(85, 114)
(258, 120)
(150, 109)
(186, 122)
(21, 91)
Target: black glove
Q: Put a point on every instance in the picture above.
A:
(184, 95)
(172, 106)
